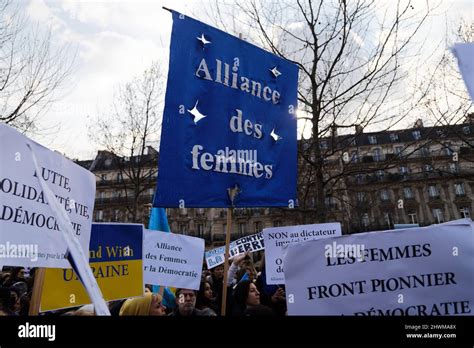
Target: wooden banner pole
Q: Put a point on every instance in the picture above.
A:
(226, 260)
(35, 301)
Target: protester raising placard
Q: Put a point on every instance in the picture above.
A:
(412, 272)
(229, 121)
(254, 242)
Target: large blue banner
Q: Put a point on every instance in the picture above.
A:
(229, 121)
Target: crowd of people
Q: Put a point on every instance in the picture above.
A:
(248, 294)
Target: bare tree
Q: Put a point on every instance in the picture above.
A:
(31, 72)
(351, 56)
(127, 133)
(448, 102)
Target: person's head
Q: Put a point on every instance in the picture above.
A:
(147, 305)
(246, 294)
(18, 273)
(205, 295)
(84, 311)
(20, 288)
(206, 290)
(157, 308)
(186, 301)
(218, 272)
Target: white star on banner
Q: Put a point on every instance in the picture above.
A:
(275, 72)
(275, 136)
(203, 40)
(197, 115)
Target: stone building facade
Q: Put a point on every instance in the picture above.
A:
(421, 175)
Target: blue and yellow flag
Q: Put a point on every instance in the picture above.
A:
(159, 222)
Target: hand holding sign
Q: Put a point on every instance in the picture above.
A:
(237, 259)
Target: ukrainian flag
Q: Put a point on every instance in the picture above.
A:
(159, 222)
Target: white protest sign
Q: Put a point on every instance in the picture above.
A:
(413, 272)
(30, 232)
(464, 53)
(172, 259)
(277, 237)
(254, 242)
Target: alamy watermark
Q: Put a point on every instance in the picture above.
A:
(336, 250)
(24, 251)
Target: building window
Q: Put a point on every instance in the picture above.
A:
(433, 191)
(116, 215)
(200, 211)
(416, 134)
(103, 177)
(425, 151)
(119, 177)
(412, 218)
(101, 195)
(388, 220)
(323, 144)
(99, 216)
(377, 155)
(403, 170)
(447, 149)
(329, 201)
(359, 178)
(242, 229)
(427, 168)
(372, 139)
(258, 226)
(393, 137)
(408, 193)
(399, 150)
(465, 213)
(384, 195)
(200, 230)
(365, 220)
(453, 168)
(354, 157)
(361, 197)
(466, 130)
(183, 228)
(459, 189)
(438, 215)
(380, 174)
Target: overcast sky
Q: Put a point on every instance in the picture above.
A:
(116, 40)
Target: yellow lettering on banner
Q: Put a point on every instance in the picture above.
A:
(116, 280)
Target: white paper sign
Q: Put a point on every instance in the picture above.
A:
(172, 259)
(277, 237)
(251, 243)
(30, 232)
(412, 272)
